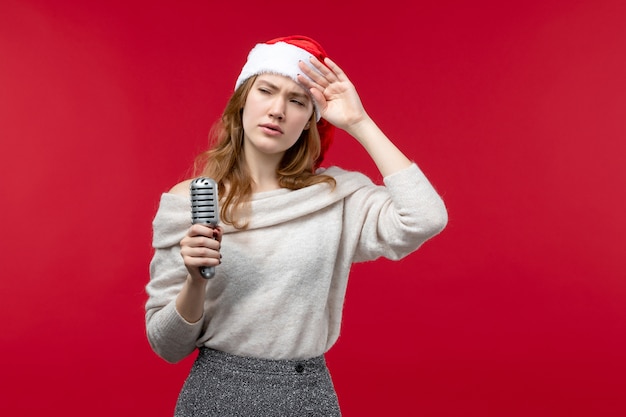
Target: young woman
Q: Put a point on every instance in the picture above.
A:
(290, 231)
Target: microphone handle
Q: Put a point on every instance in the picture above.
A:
(207, 272)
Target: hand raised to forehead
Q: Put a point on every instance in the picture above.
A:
(335, 95)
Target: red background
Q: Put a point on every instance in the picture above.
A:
(516, 112)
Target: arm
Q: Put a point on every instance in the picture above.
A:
(394, 220)
(387, 157)
(175, 306)
(199, 247)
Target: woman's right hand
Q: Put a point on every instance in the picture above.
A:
(201, 247)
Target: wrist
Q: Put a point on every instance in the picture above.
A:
(196, 281)
(363, 129)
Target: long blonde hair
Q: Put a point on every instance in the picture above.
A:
(224, 160)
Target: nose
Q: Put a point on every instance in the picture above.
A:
(277, 108)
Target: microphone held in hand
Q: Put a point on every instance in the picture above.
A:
(204, 210)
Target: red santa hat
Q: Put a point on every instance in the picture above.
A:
(281, 56)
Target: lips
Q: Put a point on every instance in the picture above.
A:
(271, 128)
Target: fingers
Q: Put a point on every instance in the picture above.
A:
(334, 68)
(328, 68)
(201, 246)
(327, 72)
(312, 78)
(320, 77)
(316, 81)
(199, 229)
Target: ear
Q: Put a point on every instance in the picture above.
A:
(307, 126)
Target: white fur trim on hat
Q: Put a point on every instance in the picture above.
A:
(279, 58)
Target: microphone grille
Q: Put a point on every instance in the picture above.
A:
(204, 208)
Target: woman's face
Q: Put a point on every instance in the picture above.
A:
(275, 113)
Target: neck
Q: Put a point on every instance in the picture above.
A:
(263, 172)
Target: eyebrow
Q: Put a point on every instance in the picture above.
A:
(294, 93)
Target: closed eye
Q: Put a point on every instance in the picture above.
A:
(300, 99)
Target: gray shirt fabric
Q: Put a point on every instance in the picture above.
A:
(279, 291)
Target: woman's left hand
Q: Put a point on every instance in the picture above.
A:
(335, 95)
(340, 104)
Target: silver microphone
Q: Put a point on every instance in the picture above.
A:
(204, 210)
